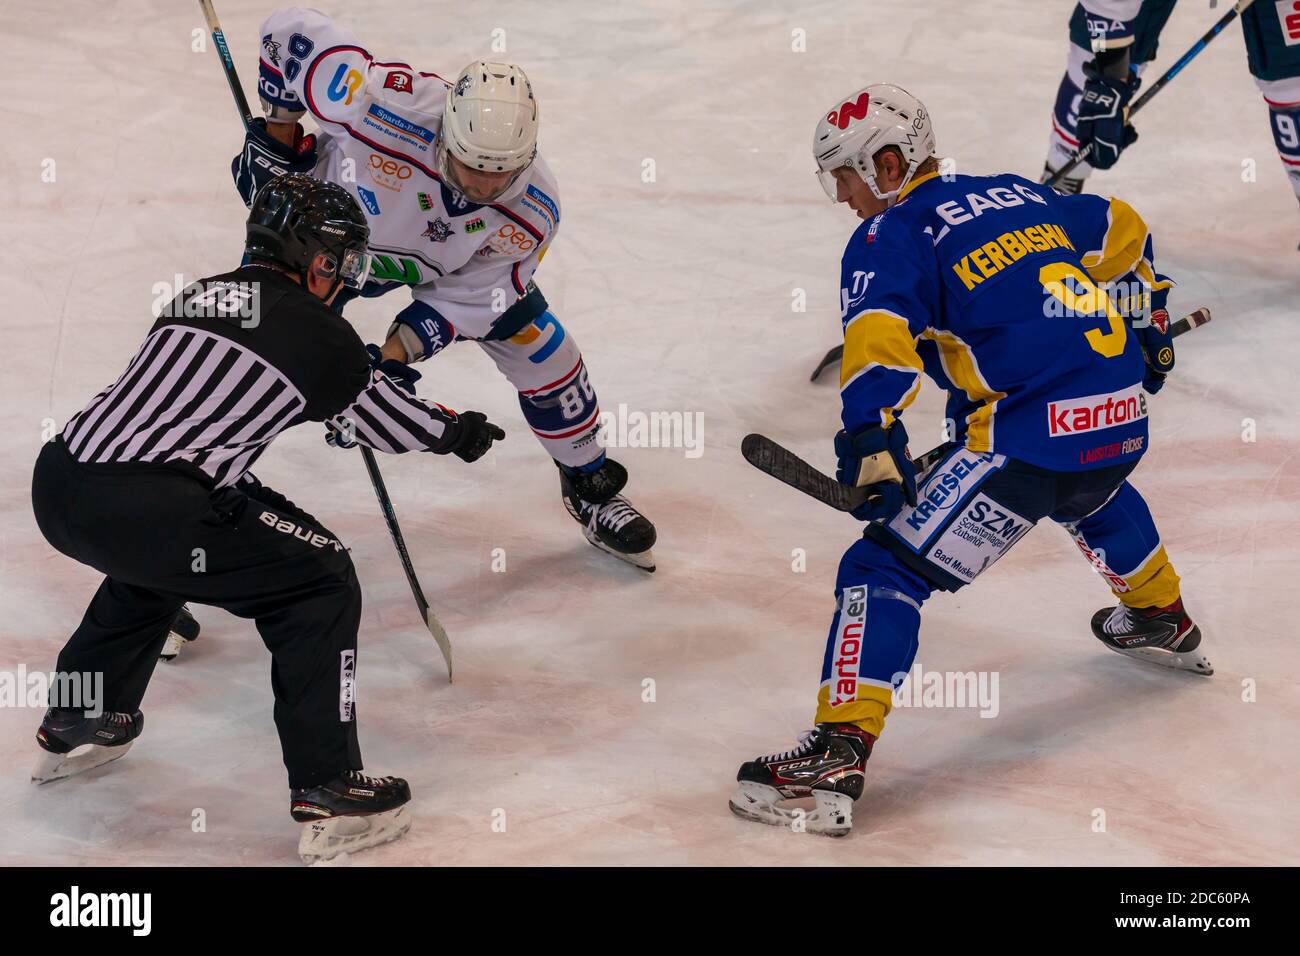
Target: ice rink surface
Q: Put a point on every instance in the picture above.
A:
(680, 291)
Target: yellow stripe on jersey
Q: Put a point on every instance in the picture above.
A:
(881, 338)
(960, 366)
(1122, 246)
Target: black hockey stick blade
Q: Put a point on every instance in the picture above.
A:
(830, 358)
(784, 465)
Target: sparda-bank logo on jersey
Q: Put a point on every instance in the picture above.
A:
(346, 82)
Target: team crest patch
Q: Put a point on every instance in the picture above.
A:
(475, 225)
(438, 231)
(399, 81)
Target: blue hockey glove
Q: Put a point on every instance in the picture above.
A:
(1157, 344)
(401, 374)
(264, 157)
(877, 459)
(1103, 116)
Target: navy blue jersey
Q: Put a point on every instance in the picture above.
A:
(1001, 290)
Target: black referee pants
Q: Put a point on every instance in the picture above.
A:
(163, 538)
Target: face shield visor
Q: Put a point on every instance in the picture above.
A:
(482, 188)
(352, 268)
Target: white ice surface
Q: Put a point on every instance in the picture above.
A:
(680, 292)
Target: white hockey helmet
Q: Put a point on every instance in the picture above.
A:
(858, 127)
(490, 123)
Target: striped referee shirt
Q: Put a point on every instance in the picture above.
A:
(232, 362)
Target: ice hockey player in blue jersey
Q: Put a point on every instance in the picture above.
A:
(997, 288)
(1112, 41)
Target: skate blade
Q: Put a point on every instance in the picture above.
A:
(832, 816)
(1193, 661)
(324, 840)
(51, 767)
(645, 560)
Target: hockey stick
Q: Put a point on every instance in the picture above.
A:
(390, 518)
(227, 62)
(784, 465)
(1082, 154)
(372, 467)
(831, 357)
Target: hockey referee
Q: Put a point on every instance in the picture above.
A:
(150, 485)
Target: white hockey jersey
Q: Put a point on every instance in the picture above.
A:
(379, 122)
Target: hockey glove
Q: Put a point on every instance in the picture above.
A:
(423, 331)
(401, 374)
(1157, 344)
(1103, 116)
(877, 459)
(264, 157)
(475, 437)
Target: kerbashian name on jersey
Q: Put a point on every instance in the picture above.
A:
(992, 257)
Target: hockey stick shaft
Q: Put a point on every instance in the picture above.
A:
(227, 62)
(784, 465)
(1081, 155)
(395, 531)
(372, 466)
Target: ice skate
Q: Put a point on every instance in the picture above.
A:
(1070, 185)
(352, 812)
(608, 519)
(829, 765)
(1160, 635)
(184, 630)
(73, 743)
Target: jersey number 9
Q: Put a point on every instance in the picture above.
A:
(1081, 298)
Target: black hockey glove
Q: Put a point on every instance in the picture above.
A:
(877, 459)
(474, 438)
(1103, 115)
(264, 157)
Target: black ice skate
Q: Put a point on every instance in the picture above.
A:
(829, 765)
(352, 812)
(608, 519)
(1160, 635)
(1070, 185)
(97, 740)
(184, 630)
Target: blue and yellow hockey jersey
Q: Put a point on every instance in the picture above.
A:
(989, 284)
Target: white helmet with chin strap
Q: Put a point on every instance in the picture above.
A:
(490, 123)
(860, 126)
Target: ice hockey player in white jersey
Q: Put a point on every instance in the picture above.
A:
(461, 210)
(1113, 41)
